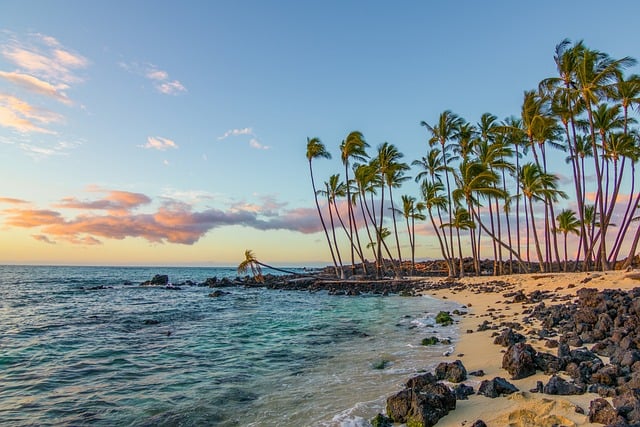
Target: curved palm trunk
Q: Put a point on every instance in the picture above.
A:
(395, 230)
(461, 267)
(603, 225)
(335, 240)
(349, 209)
(442, 246)
(365, 211)
(634, 247)
(566, 256)
(379, 234)
(324, 227)
(535, 237)
(410, 246)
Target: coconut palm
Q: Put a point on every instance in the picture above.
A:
(317, 150)
(433, 197)
(539, 186)
(461, 221)
(352, 148)
(391, 172)
(411, 210)
(441, 133)
(567, 223)
(251, 262)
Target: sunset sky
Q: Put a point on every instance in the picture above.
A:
(174, 133)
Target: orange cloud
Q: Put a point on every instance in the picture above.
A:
(12, 201)
(172, 222)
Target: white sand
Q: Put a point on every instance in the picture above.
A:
(478, 351)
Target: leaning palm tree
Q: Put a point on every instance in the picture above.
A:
(317, 150)
(567, 223)
(251, 262)
(434, 198)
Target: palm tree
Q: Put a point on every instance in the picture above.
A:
(442, 133)
(251, 262)
(411, 210)
(353, 147)
(461, 221)
(317, 150)
(567, 223)
(333, 189)
(392, 174)
(432, 194)
(540, 186)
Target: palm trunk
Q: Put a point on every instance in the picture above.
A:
(335, 241)
(535, 236)
(395, 229)
(324, 227)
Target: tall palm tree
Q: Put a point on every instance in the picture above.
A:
(595, 71)
(352, 148)
(317, 150)
(567, 223)
(391, 172)
(441, 133)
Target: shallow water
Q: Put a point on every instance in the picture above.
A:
(131, 355)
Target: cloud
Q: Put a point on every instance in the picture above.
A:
(253, 142)
(236, 132)
(159, 78)
(172, 222)
(23, 117)
(12, 201)
(38, 86)
(159, 143)
(115, 202)
(45, 58)
(43, 238)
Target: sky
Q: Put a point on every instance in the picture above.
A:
(174, 133)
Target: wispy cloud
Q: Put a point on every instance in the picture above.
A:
(38, 86)
(44, 239)
(159, 78)
(236, 132)
(23, 117)
(12, 201)
(115, 216)
(254, 142)
(159, 143)
(44, 57)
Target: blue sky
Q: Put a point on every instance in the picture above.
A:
(174, 132)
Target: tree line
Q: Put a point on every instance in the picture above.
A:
(490, 181)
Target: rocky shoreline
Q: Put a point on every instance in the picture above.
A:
(588, 344)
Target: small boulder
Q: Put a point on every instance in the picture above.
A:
(558, 386)
(519, 361)
(454, 372)
(508, 337)
(601, 412)
(496, 387)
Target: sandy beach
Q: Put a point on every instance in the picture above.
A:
(477, 351)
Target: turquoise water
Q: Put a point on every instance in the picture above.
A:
(131, 355)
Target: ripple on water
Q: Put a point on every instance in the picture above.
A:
(142, 356)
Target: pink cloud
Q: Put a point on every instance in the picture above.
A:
(172, 222)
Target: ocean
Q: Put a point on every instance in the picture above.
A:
(89, 346)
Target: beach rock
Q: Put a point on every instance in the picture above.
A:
(421, 407)
(454, 372)
(508, 337)
(463, 391)
(519, 361)
(421, 381)
(478, 373)
(496, 387)
(444, 318)
(628, 405)
(381, 421)
(547, 363)
(601, 411)
(218, 293)
(157, 280)
(478, 423)
(558, 386)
